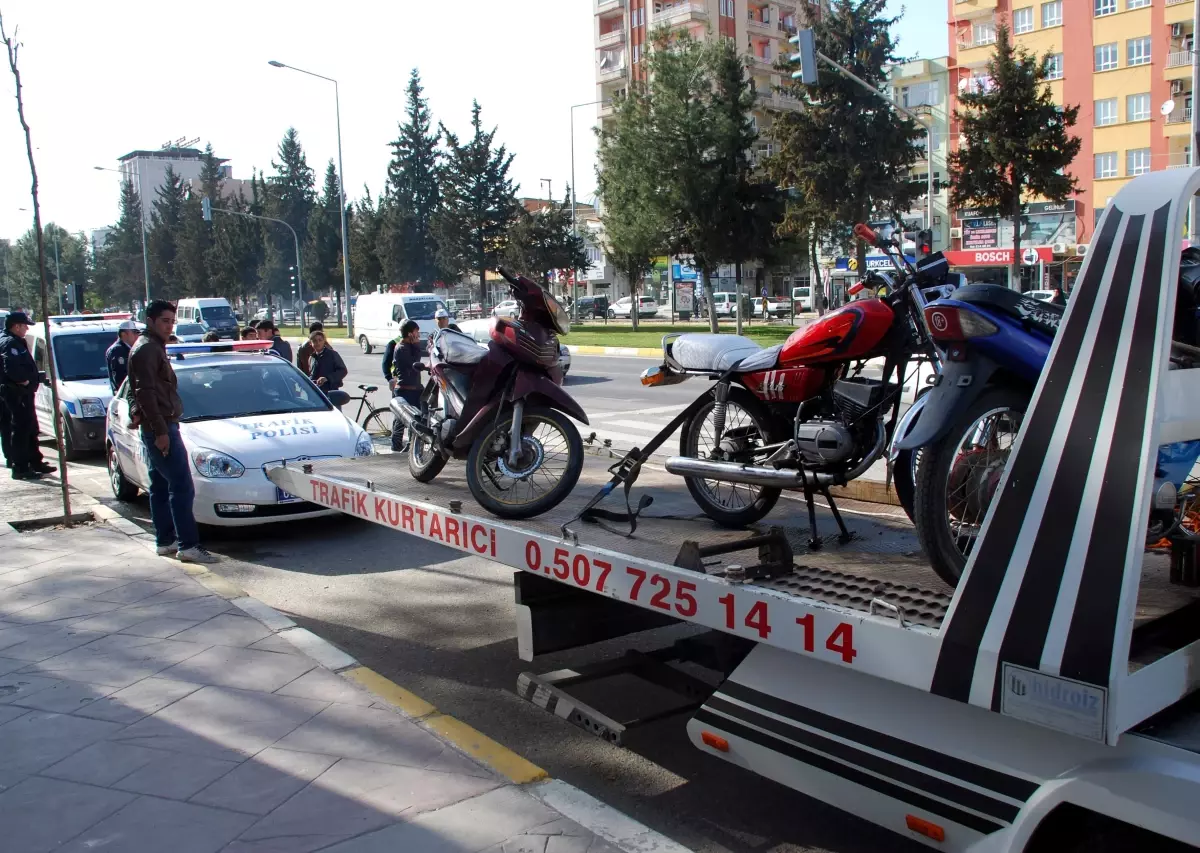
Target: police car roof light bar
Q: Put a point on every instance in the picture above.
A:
(86, 318)
(224, 346)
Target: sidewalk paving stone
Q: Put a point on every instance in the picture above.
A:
(367, 734)
(175, 776)
(266, 781)
(324, 686)
(103, 763)
(118, 660)
(37, 739)
(39, 814)
(247, 669)
(33, 643)
(64, 697)
(226, 629)
(154, 825)
(139, 700)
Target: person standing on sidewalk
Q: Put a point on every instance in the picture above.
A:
(157, 410)
(401, 368)
(117, 356)
(18, 383)
(268, 331)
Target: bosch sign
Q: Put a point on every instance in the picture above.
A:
(996, 257)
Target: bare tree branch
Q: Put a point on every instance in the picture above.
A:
(12, 47)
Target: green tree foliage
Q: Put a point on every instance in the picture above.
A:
(478, 203)
(847, 152)
(323, 264)
(237, 250)
(634, 221)
(24, 279)
(197, 239)
(163, 237)
(120, 276)
(366, 270)
(542, 241)
(1017, 140)
(407, 247)
(289, 195)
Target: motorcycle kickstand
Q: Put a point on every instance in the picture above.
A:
(814, 541)
(845, 536)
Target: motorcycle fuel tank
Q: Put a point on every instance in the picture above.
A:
(851, 331)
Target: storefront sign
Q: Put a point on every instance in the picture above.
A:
(874, 262)
(980, 233)
(993, 257)
(683, 272)
(1031, 208)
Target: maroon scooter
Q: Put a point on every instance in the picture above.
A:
(502, 408)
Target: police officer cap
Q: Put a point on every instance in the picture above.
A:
(440, 313)
(15, 317)
(129, 326)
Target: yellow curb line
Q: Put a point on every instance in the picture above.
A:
(640, 352)
(500, 758)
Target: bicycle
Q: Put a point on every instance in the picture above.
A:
(378, 420)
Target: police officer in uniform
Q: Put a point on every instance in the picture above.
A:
(18, 384)
(118, 354)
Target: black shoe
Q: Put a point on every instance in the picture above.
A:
(44, 467)
(26, 474)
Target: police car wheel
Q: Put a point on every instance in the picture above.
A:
(122, 489)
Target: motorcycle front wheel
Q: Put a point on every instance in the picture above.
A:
(747, 427)
(549, 466)
(424, 460)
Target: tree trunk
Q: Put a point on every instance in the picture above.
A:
(482, 282)
(634, 290)
(706, 291)
(820, 299)
(737, 273)
(1016, 217)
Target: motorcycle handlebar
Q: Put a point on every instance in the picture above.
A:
(509, 277)
(866, 233)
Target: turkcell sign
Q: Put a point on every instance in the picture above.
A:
(1069, 706)
(874, 262)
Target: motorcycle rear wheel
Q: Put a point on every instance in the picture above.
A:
(424, 460)
(729, 504)
(545, 432)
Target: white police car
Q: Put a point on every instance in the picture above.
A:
(78, 343)
(242, 410)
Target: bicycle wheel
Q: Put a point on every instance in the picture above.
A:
(378, 423)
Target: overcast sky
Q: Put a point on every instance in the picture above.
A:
(103, 79)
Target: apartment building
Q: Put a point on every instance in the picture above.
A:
(1129, 66)
(922, 86)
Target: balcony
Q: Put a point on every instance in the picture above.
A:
(612, 37)
(969, 38)
(967, 9)
(1177, 2)
(1179, 160)
(612, 66)
(1179, 58)
(609, 7)
(766, 99)
(763, 63)
(674, 14)
(1180, 116)
(754, 23)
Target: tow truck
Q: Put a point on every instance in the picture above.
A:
(1047, 703)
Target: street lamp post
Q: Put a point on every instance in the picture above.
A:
(341, 188)
(142, 221)
(574, 204)
(299, 276)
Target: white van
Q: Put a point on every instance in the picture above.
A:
(802, 299)
(214, 314)
(379, 316)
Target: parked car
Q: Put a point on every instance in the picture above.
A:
(1042, 295)
(623, 307)
(592, 306)
(802, 299)
(775, 307)
(724, 304)
(190, 333)
(290, 317)
(507, 308)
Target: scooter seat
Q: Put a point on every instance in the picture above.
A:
(1043, 316)
(715, 353)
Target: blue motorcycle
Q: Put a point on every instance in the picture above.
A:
(995, 342)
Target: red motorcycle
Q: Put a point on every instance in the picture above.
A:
(502, 408)
(800, 415)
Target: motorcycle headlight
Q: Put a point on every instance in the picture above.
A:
(91, 407)
(216, 465)
(364, 446)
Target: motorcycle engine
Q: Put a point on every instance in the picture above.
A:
(824, 441)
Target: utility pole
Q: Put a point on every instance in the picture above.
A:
(207, 210)
(575, 204)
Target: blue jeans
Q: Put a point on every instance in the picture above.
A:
(171, 491)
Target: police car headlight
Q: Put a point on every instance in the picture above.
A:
(364, 446)
(91, 407)
(211, 463)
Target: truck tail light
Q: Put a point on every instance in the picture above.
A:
(715, 741)
(930, 830)
(948, 323)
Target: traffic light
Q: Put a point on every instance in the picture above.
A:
(206, 209)
(805, 56)
(925, 242)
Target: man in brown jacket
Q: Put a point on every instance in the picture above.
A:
(156, 410)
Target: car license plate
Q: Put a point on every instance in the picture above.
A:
(284, 497)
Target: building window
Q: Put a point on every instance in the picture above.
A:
(1023, 20)
(726, 8)
(1052, 14)
(1106, 112)
(983, 32)
(920, 94)
(1054, 66)
(1137, 107)
(1137, 161)
(1105, 7)
(1106, 165)
(1106, 57)
(1137, 51)
(1136, 4)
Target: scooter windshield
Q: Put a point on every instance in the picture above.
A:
(558, 314)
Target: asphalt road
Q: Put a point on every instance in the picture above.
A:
(442, 625)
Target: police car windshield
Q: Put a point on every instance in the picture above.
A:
(423, 310)
(81, 356)
(265, 387)
(218, 314)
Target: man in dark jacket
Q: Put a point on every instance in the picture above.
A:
(400, 368)
(117, 355)
(268, 331)
(327, 370)
(157, 409)
(304, 354)
(18, 384)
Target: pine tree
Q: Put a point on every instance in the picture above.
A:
(197, 237)
(407, 245)
(366, 271)
(119, 276)
(847, 151)
(1016, 140)
(163, 237)
(542, 241)
(478, 203)
(323, 267)
(290, 196)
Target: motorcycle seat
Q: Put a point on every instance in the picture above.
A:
(711, 353)
(1042, 316)
(764, 359)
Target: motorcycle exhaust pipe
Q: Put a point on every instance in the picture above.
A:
(410, 416)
